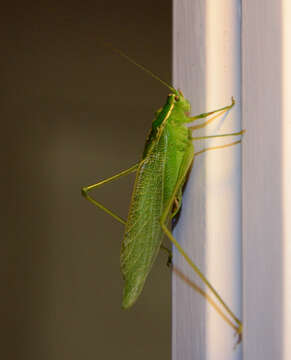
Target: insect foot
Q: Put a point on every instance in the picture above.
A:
(238, 333)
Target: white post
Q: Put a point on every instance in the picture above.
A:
(207, 68)
(267, 179)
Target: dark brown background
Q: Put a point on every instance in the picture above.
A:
(72, 113)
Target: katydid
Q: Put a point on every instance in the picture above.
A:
(157, 193)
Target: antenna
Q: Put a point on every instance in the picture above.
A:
(121, 53)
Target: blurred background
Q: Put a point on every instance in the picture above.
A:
(73, 113)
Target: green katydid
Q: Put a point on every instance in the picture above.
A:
(157, 193)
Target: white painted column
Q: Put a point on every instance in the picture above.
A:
(286, 11)
(207, 68)
(267, 179)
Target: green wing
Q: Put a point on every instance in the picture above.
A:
(143, 232)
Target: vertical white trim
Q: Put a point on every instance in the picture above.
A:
(206, 64)
(286, 11)
(266, 179)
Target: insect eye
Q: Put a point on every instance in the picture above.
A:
(177, 98)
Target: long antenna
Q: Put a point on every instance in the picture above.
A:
(121, 53)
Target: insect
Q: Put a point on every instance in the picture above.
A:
(157, 194)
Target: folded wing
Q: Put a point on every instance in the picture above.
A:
(143, 233)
